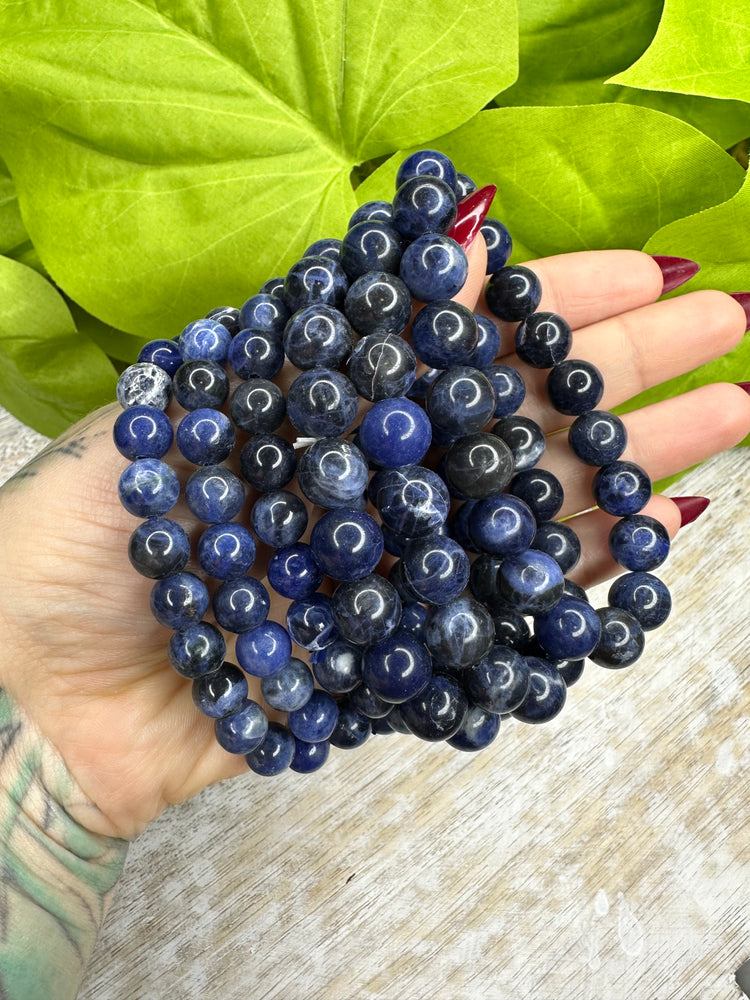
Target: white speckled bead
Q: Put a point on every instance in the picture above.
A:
(144, 384)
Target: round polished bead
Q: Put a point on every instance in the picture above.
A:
(348, 544)
(513, 293)
(546, 695)
(333, 473)
(622, 639)
(322, 403)
(241, 605)
(438, 711)
(158, 547)
(394, 720)
(263, 650)
(144, 384)
(382, 365)
(228, 316)
(622, 488)
(226, 551)
(464, 186)
(573, 589)
(256, 354)
(366, 610)
(575, 387)
(434, 267)
(395, 432)
(205, 340)
(179, 600)
(531, 582)
(502, 525)
(412, 501)
(541, 490)
(427, 163)
(403, 588)
(220, 693)
(477, 731)
(560, 541)
(279, 518)
(525, 439)
(197, 649)
(267, 462)
(597, 437)
(309, 757)
(214, 494)
(371, 245)
(351, 730)
(143, 432)
(484, 583)
(318, 335)
(205, 436)
(420, 387)
(148, 487)
(339, 669)
(315, 279)
(368, 703)
(461, 400)
(511, 629)
(309, 622)
(571, 671)
(257, 406)
(509, 386)
(294, 572)
(289, 688)
(378, 302)
(642, 595)
(377, 209)
(569, 631)
(413, 617)
(327, 247)
(436, 568)
(423, 205)
(275, 754)
(543, 340)
(200, 384)
(459, 526)
(274, 286)
(264, 311)
(639, 542)
(459, 633)
(316, 720)
(397, 667)
(444, 333)
(499, 244)
(488, 344)
(499, 682)
(243, 730)
(479, 465)
(164, 353)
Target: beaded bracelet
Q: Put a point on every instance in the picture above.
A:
(476, 620)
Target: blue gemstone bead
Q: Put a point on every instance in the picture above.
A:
(560, 541)
(380, 210)
(158, 547)
(289, 688)
(318, 335)
(413, 618)
(436, 568)
(368, 703)
(543, 340)
(502, 525)
(531, 582)
(499, 682)
(267, 462)
(412, 501)
(478, 466)
(228, 316)
(256, 353)
(226, 551)
(309, 757)
(403, 589)
(366, 610)
(241, 605)
(315, 279)
(275, 754)
(205, 340)
(322, 403)
(395, 432)
(257, 406)
(339, 669)
(488, 344)
(294, 572)
(546, 695)
(569, 631)
(434, 267)
(574, 590)
(397, 667)
(622, 488)
(347, 544)
(243, 730)
(372, 245)
(148, 487)
(179, 600)
(378, 302)
(461, 400)
(484, 584)
(197, 649)
(427, 163)
(423, 205)
(477, 731)
(200, 384)
(214, 494)
(164, 353)
(421, 386)
(205, 436)
(279, 518)
(438, 711)
(143, 432)
(575, 387)
(622, 639)
(597, 437)
(509, 386)
(351, 730)
(459, 633)
(309, 622)
(327, 247)
(525, 439)
(644, 596)
(274, 286)
(144, 384)
(541, 490)
(511, 629)
(639, 542)
(459, 526)
(316, 720)
(444, 333)
(382, 365)
(263, 650)
(513, 293)
(333, 473)
(499, 244)
(464, 186)
(265, 311)
(570, 670)
(220, 693)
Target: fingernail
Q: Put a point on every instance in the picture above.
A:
(744, 300)
(745, 386)
(471, 214)
(675, 271)
(691, 508)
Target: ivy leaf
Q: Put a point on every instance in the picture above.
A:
(50, 373)
(171, 156)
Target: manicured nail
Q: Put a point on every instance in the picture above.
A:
(744, 300)
(745, 386)
(675, 271)
(471, 214)
(691, 508)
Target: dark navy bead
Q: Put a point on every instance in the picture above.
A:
(220, 693)
(461, 400)
(397, 667)
(413, 618)
(164, 353)
(372, 245)
(327, 247)
(366, 610)
(499, 244)
(547, 692)
(316, 720)
(226, 551)
(289, 688)
(309, 622)
(477, 731)
(543, 340)
(444, 333)
(159, 547)
(200, 383)
(265, 311)
(333, 473)
(412, 501)
(315, 279)
(243, 730)
(257, 406)
(348, 544)
(267, 462)
(488, 344)
(438, 711)
(639, 542)
(351, 730)
(575, 387)
(308, 757)
(256, 353)
(214, 494)
(205, 436)
(502, 525)
(228, 316)
(274, 286)
(399, 581)
(436, 568)
(458, 634)
(560, 541)
(143, 432)
(318, 335)
(368, 703)
(622, 488)
(380, 210)
(499, 682)
(322, 403)
(644, 596)
(464, 186)
(197, 650)
(478, 465)
(484, 584)
(509, 386)
(382, 365)
(241, 605)
(434, 267)
(378, 302)
(340, 668)
(395, 432)
(525, 439)
(275, 754)
(148, 487)
(421, 385)
(541, 490)
(263, 650)
(205, 340)
(531, 582)
(179, 600)
(569, 631)
(427, 163)
(622, 639)
(511, 629)
(293, 571)
(279, 518)
(459, 526)
(570, 670)
(574, 590)
(513, 293)
(394, 720)
(423, 205)
(144, 384)
(597, 437)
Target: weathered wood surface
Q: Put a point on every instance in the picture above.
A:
(604, 855)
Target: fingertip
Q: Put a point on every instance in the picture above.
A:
(474, 284)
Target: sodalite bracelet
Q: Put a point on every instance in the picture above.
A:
(475, 620)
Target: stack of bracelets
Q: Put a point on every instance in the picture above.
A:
(476, 619)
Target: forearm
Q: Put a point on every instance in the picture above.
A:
(56, 878)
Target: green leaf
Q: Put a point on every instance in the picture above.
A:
(171, 156)
(701, 47)
(14, 240)
(568, 49)
(50, 374)
(115, 343)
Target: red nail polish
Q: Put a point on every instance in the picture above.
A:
(744, 300)
(745, 386)
(691, 508)
(471, 214)
(675, 271)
